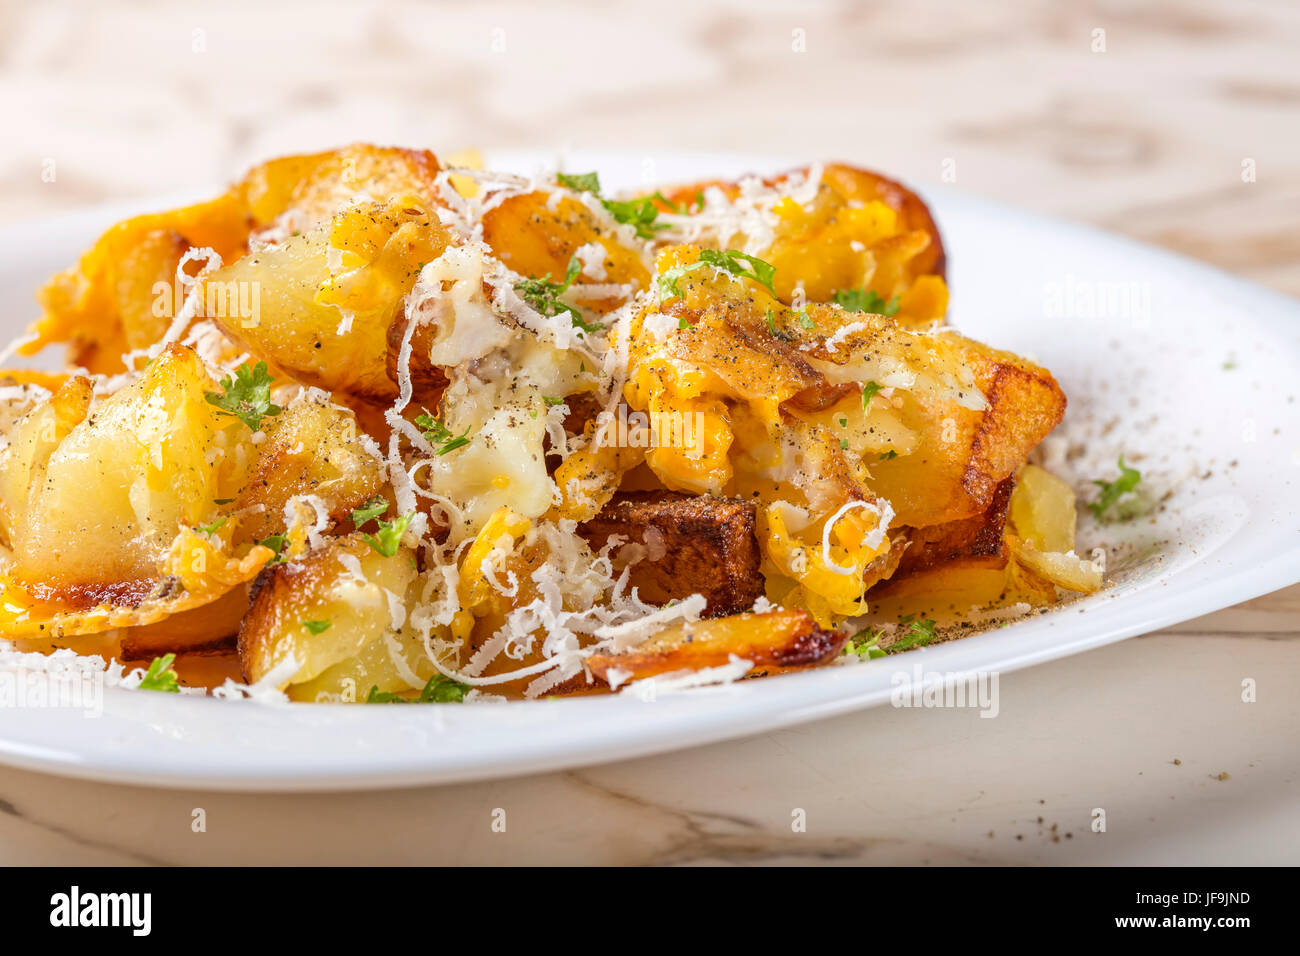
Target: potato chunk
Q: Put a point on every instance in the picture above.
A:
(773, 642)
(324, 609)
(113, 493)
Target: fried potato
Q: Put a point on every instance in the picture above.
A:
(691, 545)
(325, 299)
(773, 642)
(537, 240)
(858, 231)
(210, 629)
(97, 508)
(974, 541)
(313, 448)
(355, 592)
(122, 293)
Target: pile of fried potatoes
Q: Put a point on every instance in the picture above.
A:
(379, 428)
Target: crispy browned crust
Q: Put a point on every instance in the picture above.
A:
(773, 642)
(209, 629)
(427, 380)
(977, 540)
(853, 181)
(696, 545)
(1025, 404)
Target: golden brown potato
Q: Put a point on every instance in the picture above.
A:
(773, 642)
(204, 630)
(324, 609)
(537, 240)
(325, 300)
(975, 541)
(312, 448)
(107, 303)
(860, 231)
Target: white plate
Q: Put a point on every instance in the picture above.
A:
(1147, 378)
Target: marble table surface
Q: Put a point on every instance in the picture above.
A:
(1140, 118)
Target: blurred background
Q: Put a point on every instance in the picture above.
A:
(1135, 116)
(1176, 123)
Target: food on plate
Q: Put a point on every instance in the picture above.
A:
(375, 429)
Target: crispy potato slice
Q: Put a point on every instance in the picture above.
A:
(960, 417)
(356, 591)
(311, 188)
(325, 299)
(110, 301)
(210, 629)
(975, 541)
(535, 239)
(859, 230)
(773, 642)
(313, 448)
(692, 545)
(100, 506)
(196, 572)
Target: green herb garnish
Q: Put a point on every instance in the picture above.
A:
(544, 296)
(161, 677)
(211, 528)
(733, 262)
(865, 300)
(1113, 491)
(919, 633)
(316, 627)
(868, 392)
(438, 690)
(247, 395)
(439, 435)
(580, 182)
(276, 543)
(864, 644)
(389, 536)
(373, 508)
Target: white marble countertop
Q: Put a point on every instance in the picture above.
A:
(1148, 137)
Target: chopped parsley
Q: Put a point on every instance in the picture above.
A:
(805, 320)
(544, 296)
(439, 435)
(865, 644)
(868, 392)
(211, 528)
(276, 543)
(438, 690)
(316, 627)
(733, 261)
(389, 536)
(552, 400)
(1113, 491)
(865, 300)
(580, 182)
(638, 213)
(919, 633)
(161, 677)
(683, 209)
(889, 455)
(247, 395)
(373, 508)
